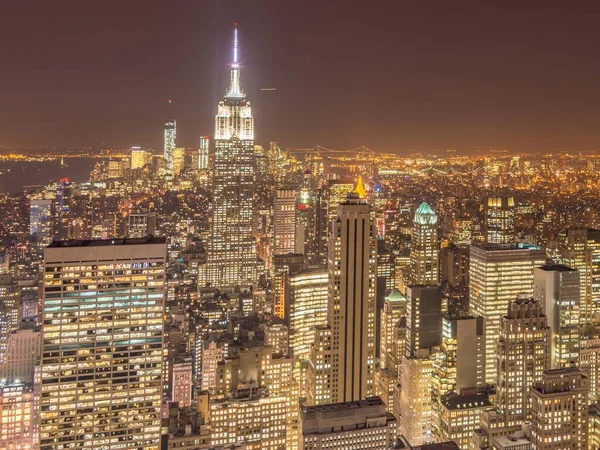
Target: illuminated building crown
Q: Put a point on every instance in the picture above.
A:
(425, 215)
(234, 116)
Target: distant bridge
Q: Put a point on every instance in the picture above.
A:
(324, 150)
(449, 171)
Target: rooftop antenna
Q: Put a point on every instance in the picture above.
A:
(235, 44)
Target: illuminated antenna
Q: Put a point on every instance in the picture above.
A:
(235, 45)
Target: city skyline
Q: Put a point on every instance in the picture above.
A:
(239, 292)
(457, 79)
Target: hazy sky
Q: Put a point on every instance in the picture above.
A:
(393, 75)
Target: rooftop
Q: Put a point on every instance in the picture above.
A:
(509, 246)
(369, 401)
(450, 445)
(107, 242)
(396, 296)
(557, 268)
(467, 401)
(515, 439)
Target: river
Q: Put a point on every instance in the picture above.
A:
(15, 175)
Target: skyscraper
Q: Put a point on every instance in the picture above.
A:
(231, 256)
(392, 347)
(415, 403)
(424, 247)
(102, 352)
(560, 410)
(351, 309)
(203, 153)
(62, 209)
(500, 220)
(178, 160)
(498, 273)
(556, 288)
(462, 360)
(305, 309)
(580, 249)
(40, 221)
(284, 221)
(169, 144)
(138, 158)
(423, 318)
(523, 355)
(11, 311)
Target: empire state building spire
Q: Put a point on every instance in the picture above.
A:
(231, 259)
(235, 88)
(234, 116)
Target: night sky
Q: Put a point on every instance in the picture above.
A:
(393, 75)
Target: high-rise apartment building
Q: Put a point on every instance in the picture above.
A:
(352, 293)
(102, 352)
(11, 311)
(500, 220)
(284, 221)
(213, 351)
(559, 410)
(424, 247)
(170, 135)
(231, 253)
(498, 273)
(557, 289)
(40, 221)
(181, 390)
(523, 356)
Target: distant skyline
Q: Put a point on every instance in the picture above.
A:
(393, 75)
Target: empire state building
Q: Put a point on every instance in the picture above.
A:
(231, 257)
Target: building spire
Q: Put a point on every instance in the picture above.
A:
(235, 88)
(235, 44)
(360, 188)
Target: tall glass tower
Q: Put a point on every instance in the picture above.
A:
(231, 258)
(169, 146)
